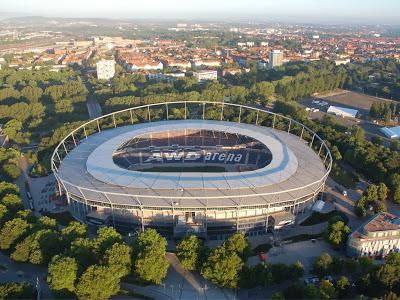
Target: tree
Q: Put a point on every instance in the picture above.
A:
(237, 243)
(296, 270)
(13, 203)
(150, 264)
(337, 233)
(371, 193)
(107, 236)
(11, 171)
(21, 290)
(4, 213)
(277, 296)
(83, 250)
(359, 207)
(390, 296)
(382, 192)
(8, 188)
(312, 292)
(327, 289)
(222, 267)
(388, 275)
(342, 285)
(62, 273)
(32, 93)
(39, 247)
(12, 231)
(119, 259)
(395, 145)
(359, 134)
(323, 264)
(73, 231)
(396, 195)
(189, 251)
(365, 263)
(97, 283)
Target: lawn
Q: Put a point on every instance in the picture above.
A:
(304, 237)
(343, 177)
(261, 248)
(317, 217)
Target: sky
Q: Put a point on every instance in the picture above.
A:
(327, 11)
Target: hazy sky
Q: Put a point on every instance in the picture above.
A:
(377, 11)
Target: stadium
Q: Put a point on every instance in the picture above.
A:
(208, 168)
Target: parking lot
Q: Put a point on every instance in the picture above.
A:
(317, 107)
(348, 99)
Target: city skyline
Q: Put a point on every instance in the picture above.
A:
(325, 11)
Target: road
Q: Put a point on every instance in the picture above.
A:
(94, 108)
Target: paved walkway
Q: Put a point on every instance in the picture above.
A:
(18, 272)
(181, 284)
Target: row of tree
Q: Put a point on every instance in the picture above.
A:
(90, 268)
(385, 111)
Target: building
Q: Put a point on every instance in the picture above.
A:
(275, 59)
(206, 75)
(391, 132)
(184, 172)
(342, 111)
(135, 65)
(169, 77)
(105, 69)
(378, 237)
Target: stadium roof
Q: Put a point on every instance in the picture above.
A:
(295, 170)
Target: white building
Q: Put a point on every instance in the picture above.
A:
(143, 65)
(339, 62)
(342, 111)
(391, 132)
(105, 69)
(170, 78)
(379, 237)
(275, 59)
(205, 75)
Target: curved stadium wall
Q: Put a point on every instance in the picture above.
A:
(209, 168)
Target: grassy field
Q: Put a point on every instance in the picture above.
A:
(317, 217)
(304, 237)
(206, 169)
(343, 177)
(261, 248)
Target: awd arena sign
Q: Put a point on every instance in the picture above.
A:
(201, 156)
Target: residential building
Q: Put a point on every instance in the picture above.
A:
(105, 69)
(378, 237)
(275, 58)
(169, 78)
(206, 75)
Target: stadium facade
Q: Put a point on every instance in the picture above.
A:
(207, 168)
